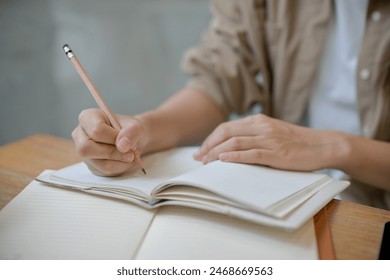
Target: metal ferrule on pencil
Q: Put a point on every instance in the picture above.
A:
(68, 51)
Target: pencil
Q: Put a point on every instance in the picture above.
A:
(98, 98)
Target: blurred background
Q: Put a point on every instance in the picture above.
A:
(131, 49)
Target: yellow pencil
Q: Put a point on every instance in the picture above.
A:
(98, 98)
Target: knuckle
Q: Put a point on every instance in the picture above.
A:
(253, 119)
(257, 154)
(83, 148)
(268, 129)
(112, 153)
(283, 152)
(262, 117)
(223, 129)
(257, 118)
(84, 114)
(97, 132)
(235, 143)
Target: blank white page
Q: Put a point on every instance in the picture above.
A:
(51, 223)
(160, 167)
(184, 233)
(254, 185)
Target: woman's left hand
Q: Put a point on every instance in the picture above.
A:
(266, 141)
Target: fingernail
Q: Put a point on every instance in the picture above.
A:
(128, 157)
(205, 159)
(124, 144)
(197, 155)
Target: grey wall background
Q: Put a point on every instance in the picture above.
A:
(130, 48)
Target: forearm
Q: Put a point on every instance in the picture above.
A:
(363, 159)
(184, 119)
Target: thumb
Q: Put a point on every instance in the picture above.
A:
(128, 137)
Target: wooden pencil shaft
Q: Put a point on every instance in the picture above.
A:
(98, 98)
(95, 93)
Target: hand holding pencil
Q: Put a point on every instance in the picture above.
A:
(98, 98)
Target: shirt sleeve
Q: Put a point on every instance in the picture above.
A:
(224, 65)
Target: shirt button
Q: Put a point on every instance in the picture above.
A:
(376, 16)
(364, 74)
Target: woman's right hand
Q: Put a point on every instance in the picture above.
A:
(105, 150)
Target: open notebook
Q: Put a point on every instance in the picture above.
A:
(250, 192)
(46, 223)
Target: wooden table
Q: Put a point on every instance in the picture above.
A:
(356, 229)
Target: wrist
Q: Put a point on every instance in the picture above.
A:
(145, 144)
(156, 132)
(338, 150)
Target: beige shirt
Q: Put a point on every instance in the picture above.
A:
(268, 51)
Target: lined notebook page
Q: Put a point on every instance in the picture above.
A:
(50, 223)
(184, 233)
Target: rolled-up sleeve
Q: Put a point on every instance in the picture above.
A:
(224, 65)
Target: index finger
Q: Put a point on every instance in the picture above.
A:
(223, 133)
(97, 126)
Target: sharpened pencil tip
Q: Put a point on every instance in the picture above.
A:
(143, 171)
